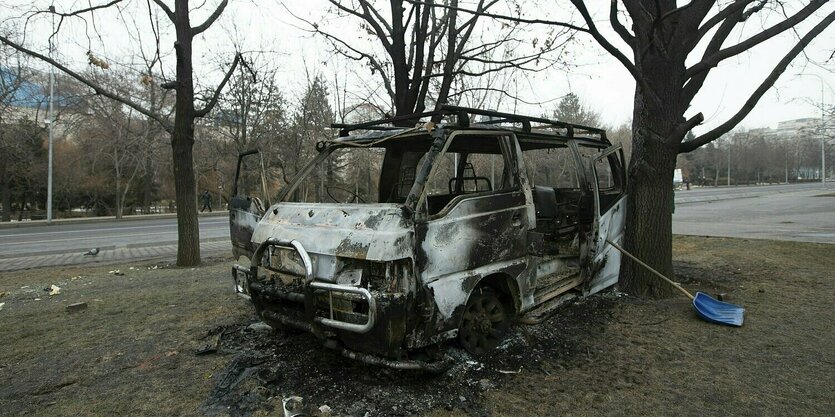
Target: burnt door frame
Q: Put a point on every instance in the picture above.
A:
(473, 236)
(246, 211)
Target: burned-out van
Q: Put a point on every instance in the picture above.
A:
(393, 239)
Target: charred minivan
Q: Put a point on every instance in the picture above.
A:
(393, 239)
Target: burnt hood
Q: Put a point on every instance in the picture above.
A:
(375, 232)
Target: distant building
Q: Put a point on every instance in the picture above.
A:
(803, 137)
(29, 99)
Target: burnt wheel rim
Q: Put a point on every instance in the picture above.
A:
(484, 323)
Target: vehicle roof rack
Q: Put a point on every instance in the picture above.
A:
(463, 118)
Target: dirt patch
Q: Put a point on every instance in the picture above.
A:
(171, 341)
(273, 365)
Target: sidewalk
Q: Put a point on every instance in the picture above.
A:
(73, 220)
(109, 256)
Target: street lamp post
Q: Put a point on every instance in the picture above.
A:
(823, 136)
(729, 162)
(51, 122)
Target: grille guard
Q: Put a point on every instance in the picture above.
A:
(310, 286)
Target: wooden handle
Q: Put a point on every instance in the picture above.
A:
(660, 275)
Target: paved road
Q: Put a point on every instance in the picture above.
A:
(80, 237)
(804, 214)
(790, 212)
(701, 194)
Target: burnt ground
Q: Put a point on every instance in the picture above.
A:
(167, 341)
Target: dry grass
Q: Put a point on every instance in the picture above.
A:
(131, 351)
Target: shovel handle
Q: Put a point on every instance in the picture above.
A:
(660, 275)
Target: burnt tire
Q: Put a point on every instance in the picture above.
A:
(485, 322)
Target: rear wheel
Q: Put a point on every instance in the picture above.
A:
(485, 322)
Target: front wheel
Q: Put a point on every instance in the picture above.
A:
(484, 323)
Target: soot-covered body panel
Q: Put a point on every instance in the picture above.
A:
(454, 221)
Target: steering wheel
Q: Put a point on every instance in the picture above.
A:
(354, 196)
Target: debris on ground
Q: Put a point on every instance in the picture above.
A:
(260, 327)
(210, 346)
(285, 364)
(93, 252)
(293, 406)
(54, 290)
(72, 308)
(325, 411)
(1, 306)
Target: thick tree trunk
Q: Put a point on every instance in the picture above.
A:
(182, 141)
(188, 230)
(650, 203)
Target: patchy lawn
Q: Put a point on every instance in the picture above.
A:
(132, 351)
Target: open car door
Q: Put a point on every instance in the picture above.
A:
(249, 202)
(609, 183)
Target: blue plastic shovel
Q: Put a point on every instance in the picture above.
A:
(708, 308)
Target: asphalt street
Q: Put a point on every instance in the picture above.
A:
(81, 237)
(729, 192)
(804, 213)
(791, 212)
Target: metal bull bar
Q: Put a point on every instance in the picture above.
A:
(311, 285)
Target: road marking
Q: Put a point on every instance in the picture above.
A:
(107, 229)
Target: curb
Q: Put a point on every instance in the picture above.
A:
(749, 194)
(110, 247)
(689, 200)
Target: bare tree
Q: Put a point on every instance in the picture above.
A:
(181, 128)
(663, 36)
(120, 140)
(426, 46)
(13, 75)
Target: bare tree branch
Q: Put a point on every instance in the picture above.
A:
(97, 88)
(683, 128)
(618, 26)
(211, 104)
(501, 91)
(503, 17)
(211, 19)
(382, 34)
(723, 14)
(361, 55)
(615, 52)
(755, 40)
(761, 90)
(165, 9)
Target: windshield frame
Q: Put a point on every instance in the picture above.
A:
(328, 147)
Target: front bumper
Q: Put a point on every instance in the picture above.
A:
(360, 325)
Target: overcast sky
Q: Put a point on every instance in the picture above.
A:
(597, 78)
